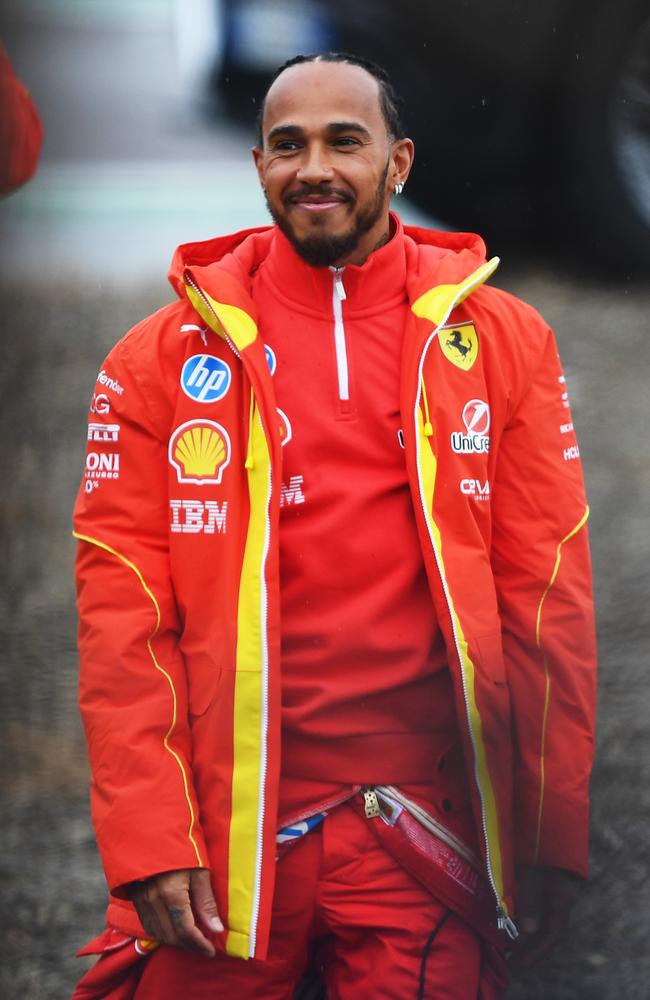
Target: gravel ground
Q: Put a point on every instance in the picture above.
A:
(52, 890)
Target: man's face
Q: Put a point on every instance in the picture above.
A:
(327, 164)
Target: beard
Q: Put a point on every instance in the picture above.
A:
(323, 249)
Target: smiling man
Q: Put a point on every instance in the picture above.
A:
(337, 649)
(329, 164)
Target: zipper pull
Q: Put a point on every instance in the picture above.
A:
(504, 923)
(338, 283)
(371, 807)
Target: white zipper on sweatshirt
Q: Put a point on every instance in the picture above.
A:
(338, 298)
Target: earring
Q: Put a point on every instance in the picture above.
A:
(399, 187)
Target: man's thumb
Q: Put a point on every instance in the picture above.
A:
(203, 899)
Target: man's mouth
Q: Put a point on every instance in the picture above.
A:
(317, 201)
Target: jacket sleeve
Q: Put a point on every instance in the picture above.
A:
(541, 563)
(133, 686)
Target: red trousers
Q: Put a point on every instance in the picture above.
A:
(369, 927)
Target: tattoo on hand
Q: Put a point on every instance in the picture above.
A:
(176, 913)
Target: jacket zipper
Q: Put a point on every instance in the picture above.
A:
(261, 808)
(342, 370)
(257, 879)
(188, 278)
(504, 922)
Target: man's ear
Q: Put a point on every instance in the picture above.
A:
(258, 160)
(402, 154)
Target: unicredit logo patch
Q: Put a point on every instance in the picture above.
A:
(476, 417)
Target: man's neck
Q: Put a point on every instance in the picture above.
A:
(359, 256)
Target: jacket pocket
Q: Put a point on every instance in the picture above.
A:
(488, 657)
(492, 698)
(204, 680)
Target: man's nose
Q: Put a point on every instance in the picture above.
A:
(315, 166)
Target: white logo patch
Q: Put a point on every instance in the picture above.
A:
(101, 465)
(201, 330)
(476, 417)
(100, 403)
(475, 488)
(291, 493)
(198, 517)
(565, 395)
(103, 432)
(110, 383)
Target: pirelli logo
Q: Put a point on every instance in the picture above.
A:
(103, 432)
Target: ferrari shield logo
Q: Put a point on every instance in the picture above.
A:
(459, 344)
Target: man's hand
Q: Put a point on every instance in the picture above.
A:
(168, 904)
(544, 900)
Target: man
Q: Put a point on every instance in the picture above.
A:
(334, 593)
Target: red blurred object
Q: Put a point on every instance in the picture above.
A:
(21, 132)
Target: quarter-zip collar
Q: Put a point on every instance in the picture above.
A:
(377, 284)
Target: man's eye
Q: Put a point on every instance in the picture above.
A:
(286, 145)
(346, 140)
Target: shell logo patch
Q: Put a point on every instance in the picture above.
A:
(459, 344)
(199, 450)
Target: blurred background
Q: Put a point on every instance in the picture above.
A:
(532, 126)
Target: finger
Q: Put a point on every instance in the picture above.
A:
(148, 918)
(532, 947)
(158, 915)
(175, 897)
(530, 900)
(203, 900)
(187, 933)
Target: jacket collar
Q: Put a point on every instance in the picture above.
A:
(412, 263)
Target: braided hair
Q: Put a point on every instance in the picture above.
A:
(390, 102)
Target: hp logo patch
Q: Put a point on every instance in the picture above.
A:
(270, 358)
(205, 378)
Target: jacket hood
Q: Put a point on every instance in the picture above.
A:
(434, 257)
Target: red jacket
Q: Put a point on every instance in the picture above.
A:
(178, 580)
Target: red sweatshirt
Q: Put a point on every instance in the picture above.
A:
(366, 692)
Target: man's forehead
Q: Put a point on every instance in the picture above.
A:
(334, 92)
